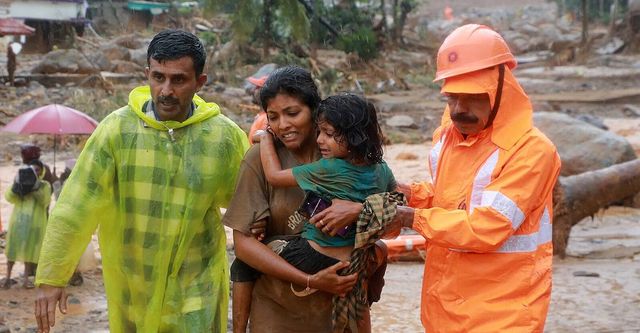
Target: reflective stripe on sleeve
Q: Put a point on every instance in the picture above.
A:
(526, 243)
(434, 156)
(482, 179)
(530, 242)
(503, 205)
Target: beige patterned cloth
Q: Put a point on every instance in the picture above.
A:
(374, 220)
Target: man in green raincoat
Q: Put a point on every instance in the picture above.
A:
(152, 176)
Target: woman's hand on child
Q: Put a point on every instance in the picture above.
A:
(329, 281)
(339, 215)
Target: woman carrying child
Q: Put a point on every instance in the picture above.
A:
(260, 210)
(351, 168)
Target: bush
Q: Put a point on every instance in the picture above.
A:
(363, 42)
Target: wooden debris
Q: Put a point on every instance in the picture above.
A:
(579, 196)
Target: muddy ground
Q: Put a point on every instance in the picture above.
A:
(596, 288)
(606, 246)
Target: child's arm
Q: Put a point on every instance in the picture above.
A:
(271, 164)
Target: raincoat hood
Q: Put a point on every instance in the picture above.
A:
(142, 94)
(515, 114)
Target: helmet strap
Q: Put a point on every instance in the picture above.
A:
(496, 104)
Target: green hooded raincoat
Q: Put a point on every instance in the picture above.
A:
(155, 194)
(27, 223)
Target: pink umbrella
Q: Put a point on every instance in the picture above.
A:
(52, 119)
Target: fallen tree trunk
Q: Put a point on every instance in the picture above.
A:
(578, 196)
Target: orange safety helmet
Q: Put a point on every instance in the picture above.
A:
(472, 47)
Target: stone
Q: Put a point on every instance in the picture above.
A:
(582, 147)
(65, 61)
(401, 121)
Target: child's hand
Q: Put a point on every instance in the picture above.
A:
(258, 229)
(258, 135)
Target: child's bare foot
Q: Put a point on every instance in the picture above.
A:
(5, 283)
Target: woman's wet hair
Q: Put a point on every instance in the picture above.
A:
(356, 124)
(293, 81)
(172, 44)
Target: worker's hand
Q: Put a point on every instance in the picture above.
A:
(405, 189)
(339, 215)
(259, 229)
(45, 310)
(329, 281)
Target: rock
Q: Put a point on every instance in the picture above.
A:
(614, 46)
(65, 61)
(123, 66)
(100, 60)
(129, 42)
(401, 121)
(582, 147)
(115, 52)
(234, 92)
(139, 56)
(631, 111)
(226, 54)
(37, 91)
(593, 120)
(407, 156)
(586, 274)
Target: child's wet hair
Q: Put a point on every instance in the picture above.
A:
(356, 124)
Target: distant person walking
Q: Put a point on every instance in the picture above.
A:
(30, 196)
(12, 51)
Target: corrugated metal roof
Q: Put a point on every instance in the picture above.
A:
(9, 26)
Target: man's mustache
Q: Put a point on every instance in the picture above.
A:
(464, 117)
(167, 100)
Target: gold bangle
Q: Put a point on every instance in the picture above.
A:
(307, 291)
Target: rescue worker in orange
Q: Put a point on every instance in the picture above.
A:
(260, 121)
(486, 211)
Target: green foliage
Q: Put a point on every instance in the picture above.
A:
(285, 58)
(244, 22)
(297, 25)
(423, 80)
(363, 42)
(596, 9)
(209, 38)
(248, 21)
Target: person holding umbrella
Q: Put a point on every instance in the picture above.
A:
(31, 196)
(30, 152)
(153, 176)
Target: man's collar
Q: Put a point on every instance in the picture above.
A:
(150, 110)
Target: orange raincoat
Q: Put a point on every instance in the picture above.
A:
(486, 215)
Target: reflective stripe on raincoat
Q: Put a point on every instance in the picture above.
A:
(486, 216)
(155, 195)
(27, 224)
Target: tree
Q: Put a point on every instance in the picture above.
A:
(268, 21)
